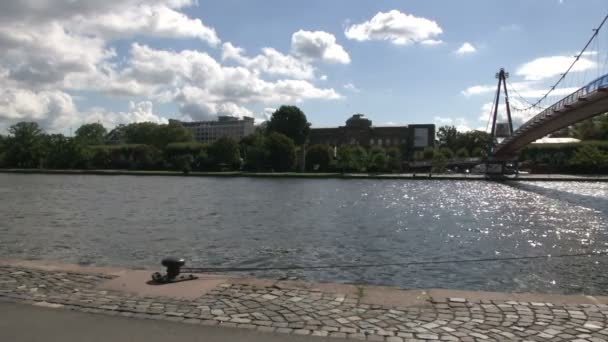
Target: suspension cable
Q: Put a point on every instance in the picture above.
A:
(578, 56)
(490, 116)
(402, 264)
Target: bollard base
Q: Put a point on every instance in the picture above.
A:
(160, 279)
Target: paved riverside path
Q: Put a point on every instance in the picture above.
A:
(26, 323)
(323, 310)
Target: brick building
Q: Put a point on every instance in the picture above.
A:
(359, 131)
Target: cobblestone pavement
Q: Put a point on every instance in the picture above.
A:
(310, 312)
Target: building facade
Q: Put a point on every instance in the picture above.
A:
(226, 126)
(359, 131)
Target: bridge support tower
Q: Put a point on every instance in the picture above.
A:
(500, 130)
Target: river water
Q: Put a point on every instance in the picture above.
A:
(136, 221)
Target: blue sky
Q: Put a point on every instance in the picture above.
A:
(395, 61)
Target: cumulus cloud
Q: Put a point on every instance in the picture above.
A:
(524, 89)
(461, 124)
(53, 110)
(517, 116)
(271, 62)
(204, 88)
(431, 42)
(546, 67)
(318, 45)
(56, 111)
(465, 48)
(394, 26)
(54, 47)
(351, 87)
(137, 112)
(144, 19)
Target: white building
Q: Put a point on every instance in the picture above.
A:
(226, 126)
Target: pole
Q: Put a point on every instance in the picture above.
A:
(495, 114)
(504, 82)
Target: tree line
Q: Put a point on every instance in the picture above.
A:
(275, 146)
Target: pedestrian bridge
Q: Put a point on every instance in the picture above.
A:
(588, 101)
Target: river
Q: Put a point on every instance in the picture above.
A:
(136, 221)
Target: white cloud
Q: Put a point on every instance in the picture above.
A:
(204, 88)
(396, 27)
(465, 48)
(546, 67)
(461, 124)
(478, 89)
(144, 19)
(323, 78)
(318, 45)
(56, 111)
(517, 116)
(271, 62)
(431, 42)
(137, 112)
(524, 89)
(52, 109)
(351, 87)
(50, 48)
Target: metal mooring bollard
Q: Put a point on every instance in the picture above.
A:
(173, 266)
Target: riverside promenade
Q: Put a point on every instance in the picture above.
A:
(316, 310)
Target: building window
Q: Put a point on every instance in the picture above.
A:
(379, 142)
(371, 142)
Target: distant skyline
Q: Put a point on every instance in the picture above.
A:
(67, 63)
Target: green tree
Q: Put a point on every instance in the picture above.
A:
(281, 152)
(428, 153)
(318, 158)
(479, 152)
(224, 152)
(394, 159)
(377, 159)
(440, 162)
(447, 136)
(63, 152)
(359, 158)
(91, 134)
(174, 132)
(462, 153)
(118, 135)
(3, 142)
(589, 158)
(177, 153)
(378, 163)
(253, 150)
(141, 133)
(447, 152)
(25, 146)
(592, 128)
(290, 121)
(345, 158)
(471, 140)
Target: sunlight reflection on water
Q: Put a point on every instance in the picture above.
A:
(135, 221)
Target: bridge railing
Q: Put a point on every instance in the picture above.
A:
(593, 86)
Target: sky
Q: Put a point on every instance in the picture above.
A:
(65, 63)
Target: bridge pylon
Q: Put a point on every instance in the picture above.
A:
(500, 130)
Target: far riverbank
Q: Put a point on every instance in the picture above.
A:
(405, 176)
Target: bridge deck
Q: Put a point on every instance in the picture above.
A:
(588, 101)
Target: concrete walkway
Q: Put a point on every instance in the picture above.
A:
(307, 309)
(26, 323)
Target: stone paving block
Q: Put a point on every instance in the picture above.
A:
(314, 312)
